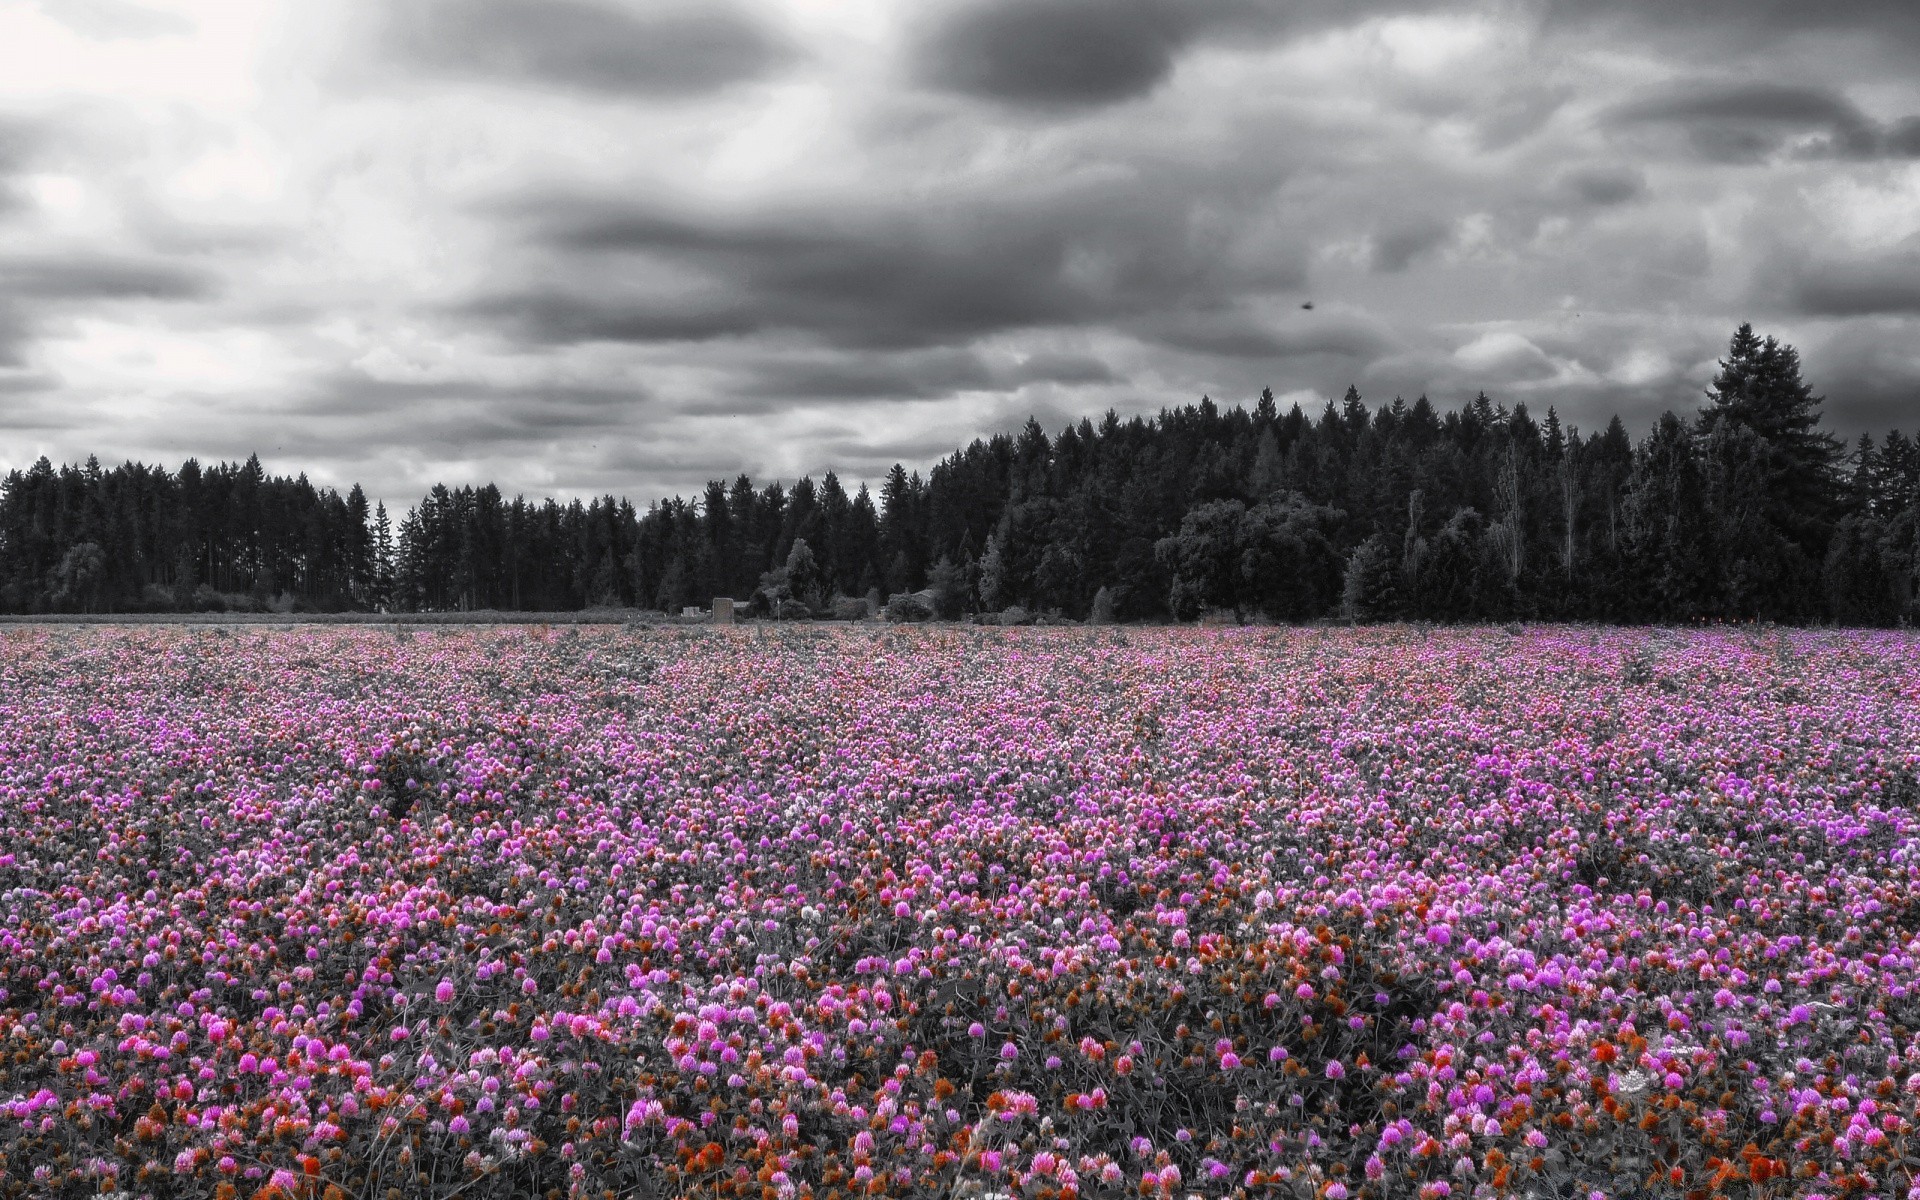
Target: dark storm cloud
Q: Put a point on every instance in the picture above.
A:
(1870, 375)
(1852, 287)
(1068, 55)
(869, 278)
(1055, 53)
(897, 282)
(681, 49)
(1748, 122)
(1903, 138)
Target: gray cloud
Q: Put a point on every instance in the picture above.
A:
(913, 375)
(532, 407)
(1902, 139)
(1869, 372)
(17, 140)
(1858, 286)
(615, 267)
(1346, 336)
(909, 375)
(14, 336)
(1747, 122)
(869, 277)
(1068, 55)
(20, 140)
(1049, 367)
(548, 317)
(32, 288)
(1749, 23)
(1604, 185)
(652, 50)
(80, 278)
(23, 383)
(1055, 53)
(1395, 249)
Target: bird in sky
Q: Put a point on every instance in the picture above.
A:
(1308, 306)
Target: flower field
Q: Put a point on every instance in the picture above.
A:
(959, 912)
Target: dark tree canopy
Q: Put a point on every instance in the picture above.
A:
(1401, 511)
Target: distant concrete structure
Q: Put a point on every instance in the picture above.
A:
(692, 611)
(723, 610)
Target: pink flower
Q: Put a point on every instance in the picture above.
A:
(1335, 1070)
(444, 991)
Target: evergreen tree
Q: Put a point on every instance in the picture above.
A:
(383, 551)
(1759, 388)
(1745, 512)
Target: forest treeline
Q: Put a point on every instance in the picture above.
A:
(1746, 509)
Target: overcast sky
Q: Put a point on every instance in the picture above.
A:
(575, 246)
